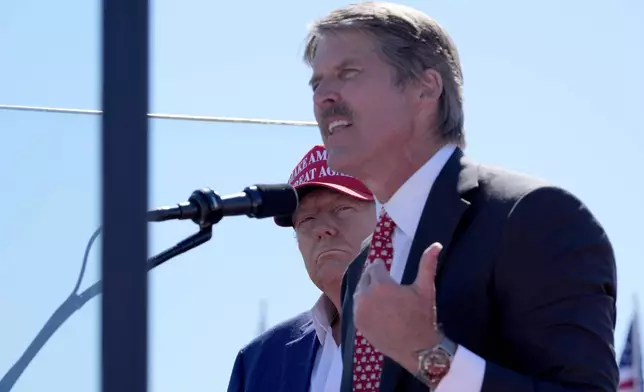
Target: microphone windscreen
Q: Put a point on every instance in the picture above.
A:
(275, 200)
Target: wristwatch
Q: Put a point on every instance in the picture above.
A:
(434, 363)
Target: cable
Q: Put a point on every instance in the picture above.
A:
(184, 117)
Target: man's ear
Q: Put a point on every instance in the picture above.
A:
(430, 85)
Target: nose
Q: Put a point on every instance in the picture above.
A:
(325, 96)
(324, 229)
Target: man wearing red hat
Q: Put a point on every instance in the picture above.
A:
(335, 215)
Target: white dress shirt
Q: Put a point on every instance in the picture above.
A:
(405, 208)
(327, 368)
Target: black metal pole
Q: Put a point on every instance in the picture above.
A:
(124, 353)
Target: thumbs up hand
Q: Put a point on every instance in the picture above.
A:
(398, 320)
(424, 283)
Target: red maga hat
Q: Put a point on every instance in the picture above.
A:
(313, 172)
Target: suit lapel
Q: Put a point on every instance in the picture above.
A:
(348, 329)
(298, 360)
(443, 211)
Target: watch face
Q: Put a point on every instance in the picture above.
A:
(436, 363)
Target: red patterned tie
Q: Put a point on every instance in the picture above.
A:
(367, 361)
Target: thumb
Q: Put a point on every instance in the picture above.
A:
(427, 268)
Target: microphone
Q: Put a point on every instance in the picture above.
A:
(206, 207)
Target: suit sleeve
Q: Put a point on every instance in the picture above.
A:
(555, 287)
(236, 383)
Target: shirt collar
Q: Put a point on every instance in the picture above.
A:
(406, 205)
(322, 313)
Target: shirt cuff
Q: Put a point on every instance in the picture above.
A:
(465, 374)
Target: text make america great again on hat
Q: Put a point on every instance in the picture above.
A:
(313, 167)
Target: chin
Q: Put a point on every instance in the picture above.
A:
(330, 277)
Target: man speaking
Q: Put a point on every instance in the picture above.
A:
(476, 278)
(335, 214)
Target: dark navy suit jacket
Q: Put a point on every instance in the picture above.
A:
(279, 360)
(526, 280)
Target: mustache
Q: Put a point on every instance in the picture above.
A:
(339, 109)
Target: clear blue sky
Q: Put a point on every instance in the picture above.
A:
(552, 88)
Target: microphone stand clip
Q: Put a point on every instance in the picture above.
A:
(208, 203)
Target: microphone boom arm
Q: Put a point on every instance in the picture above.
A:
(199, 238)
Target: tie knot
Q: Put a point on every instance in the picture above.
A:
(385, 225)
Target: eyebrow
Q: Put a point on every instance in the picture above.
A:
(343, 64)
